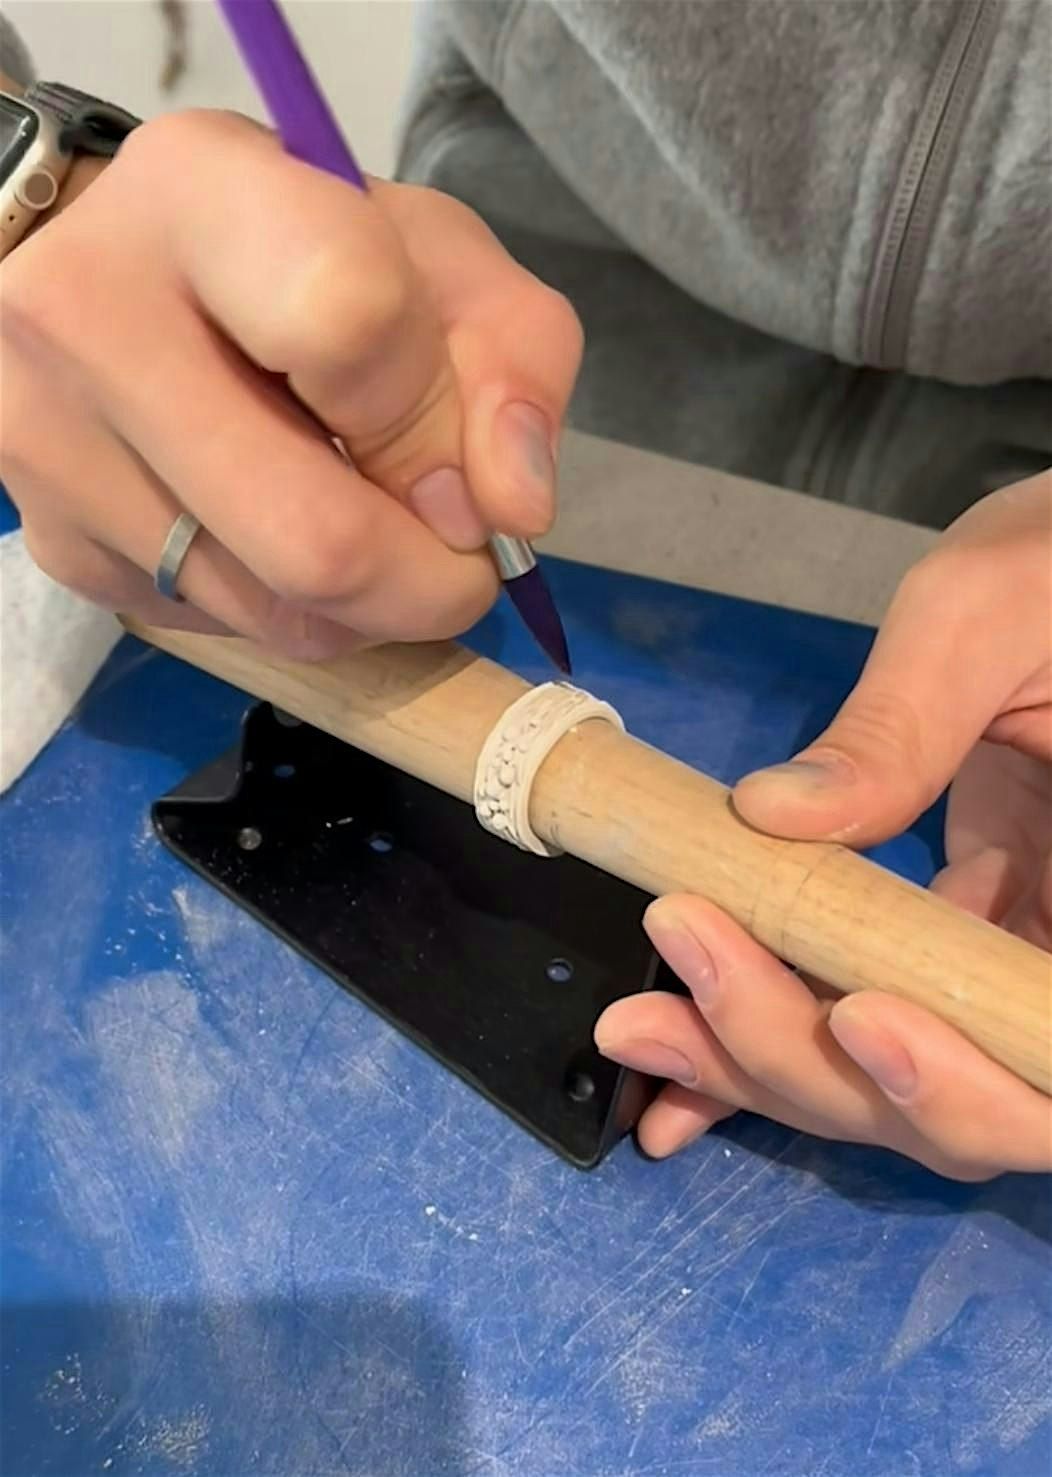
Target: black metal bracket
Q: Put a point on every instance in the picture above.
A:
(496, 962)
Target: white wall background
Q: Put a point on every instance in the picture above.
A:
(359, 50)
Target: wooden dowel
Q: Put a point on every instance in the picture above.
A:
(645, 817)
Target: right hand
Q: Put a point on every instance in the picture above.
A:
(192, 332)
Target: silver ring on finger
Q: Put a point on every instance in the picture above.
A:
(176, 547)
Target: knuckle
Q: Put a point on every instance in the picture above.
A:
(176, 138)
(963, 1152)
(960, 1168)
(26, 399)
(1011, 563)
(158, 143)
(926, 583)
(154, 136)
(342, 304)
(559, 321)
(40, 549)
(324, 565)
(16, 455)
(975, 1174)
(61, 560)
(884, 726)
(448, 608)
(291, 632)
(961, 581)
(459, 610)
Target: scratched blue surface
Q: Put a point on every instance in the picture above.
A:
(249, 1229)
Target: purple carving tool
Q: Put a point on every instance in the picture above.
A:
(310, 133)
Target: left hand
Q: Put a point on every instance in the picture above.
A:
(958, 686)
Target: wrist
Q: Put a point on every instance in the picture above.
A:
(55, 140)
(83, 171)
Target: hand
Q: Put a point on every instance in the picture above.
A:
(195, 329)
(959, 683)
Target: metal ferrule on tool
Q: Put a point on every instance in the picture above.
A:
(513, 556)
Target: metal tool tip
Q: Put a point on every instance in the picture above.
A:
(534, 603)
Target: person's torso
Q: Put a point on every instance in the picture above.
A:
(756, 204)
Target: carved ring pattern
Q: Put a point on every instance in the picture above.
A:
(515, 750)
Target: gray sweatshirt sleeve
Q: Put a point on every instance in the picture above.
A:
(14, 58)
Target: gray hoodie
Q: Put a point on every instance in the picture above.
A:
(810, 240)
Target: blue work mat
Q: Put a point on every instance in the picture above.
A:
(250, 1229)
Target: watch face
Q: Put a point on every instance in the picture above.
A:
(18, 129)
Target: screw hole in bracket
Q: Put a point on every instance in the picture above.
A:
(579, 1086)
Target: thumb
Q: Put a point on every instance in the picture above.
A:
(941, 669)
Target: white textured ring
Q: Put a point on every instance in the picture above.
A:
(516, 749)
(176, 547)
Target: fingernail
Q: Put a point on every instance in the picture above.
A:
(684, 953)
(524, 439)
(879, 1055)
(651, 1057)
(443, 502)
(806, 776)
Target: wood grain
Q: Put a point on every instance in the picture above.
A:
(645, 817)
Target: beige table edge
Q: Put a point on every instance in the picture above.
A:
(645, 514)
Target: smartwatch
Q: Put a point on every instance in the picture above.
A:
(40, 135)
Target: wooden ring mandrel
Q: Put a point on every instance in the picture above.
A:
(615, 802)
